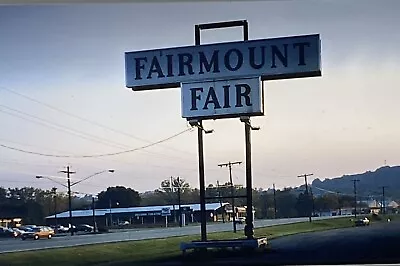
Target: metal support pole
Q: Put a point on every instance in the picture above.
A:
(249, 232)
(203, 215)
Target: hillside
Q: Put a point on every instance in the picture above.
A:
(370, 184)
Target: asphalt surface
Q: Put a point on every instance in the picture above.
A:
(375, 244)
(15, 245)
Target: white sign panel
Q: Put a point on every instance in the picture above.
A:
(165, 211)
(223, 98)
(278, 58)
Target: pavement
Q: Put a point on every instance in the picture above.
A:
(374, 244)
(16, 245)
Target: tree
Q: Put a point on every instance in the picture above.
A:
(286, 203)
(118, 196)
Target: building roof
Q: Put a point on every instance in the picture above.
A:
(102, 212)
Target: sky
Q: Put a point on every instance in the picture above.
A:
(62, 92)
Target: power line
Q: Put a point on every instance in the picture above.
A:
(99, 139)
(51, 126)
(85, 119)
(95, 138)
(97, 155)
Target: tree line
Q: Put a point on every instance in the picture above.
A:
(34, 204)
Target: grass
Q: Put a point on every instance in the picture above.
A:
(140, 252)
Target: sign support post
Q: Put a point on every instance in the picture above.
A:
(197, 28)
(248, 230)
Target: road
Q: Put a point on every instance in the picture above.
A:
(15, 245)
(375, 244)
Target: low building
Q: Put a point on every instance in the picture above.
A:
(140, 216)
(10, 221)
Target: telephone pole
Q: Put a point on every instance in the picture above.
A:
(229, 165)
(307, 195)
(274, 201)
(68, 172)
(355, 196)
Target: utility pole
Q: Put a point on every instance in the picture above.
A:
(229, 165)
(94, 215)
(109, 205)
(220, 202)
(172, 190)
(179, 201)
(54, 190)
(307, 195)
(383, 203)
(68, 172)
(274, 201)
(355, 196)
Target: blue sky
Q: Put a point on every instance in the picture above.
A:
(72, 58)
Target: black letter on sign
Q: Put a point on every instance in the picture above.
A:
(239, 59)
(187, 62)
(139, 66)
(277, 53)
(253, 57)
(207, 65)
(226, 96)
(195, 97)
(214, 100)
(301, 46)
(169, 63)
(155, 68)
(240, 94)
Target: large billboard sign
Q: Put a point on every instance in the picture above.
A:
(276, 58)
(222, 98)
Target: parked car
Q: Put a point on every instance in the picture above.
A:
(82, 228)
(38, 232)
(124, 223)
(18, 231)
(362, 222)
(7, 232)
(60, 229)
